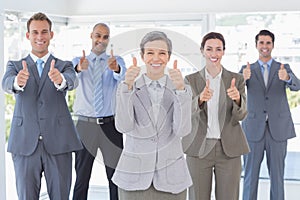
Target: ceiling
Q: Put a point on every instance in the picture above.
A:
(134, 7)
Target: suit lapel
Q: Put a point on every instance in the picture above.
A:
(201, 86)
(225, 83)
(259, 75)
(143, 95)
(273, 71)
(166, 103)
(33, 69)
(44, 75)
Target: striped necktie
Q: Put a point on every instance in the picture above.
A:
(98, 87)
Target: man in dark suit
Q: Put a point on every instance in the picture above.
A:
(42, 135)
(268, 124)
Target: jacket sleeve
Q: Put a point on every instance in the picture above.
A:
(11, 73)
(69, 73)
(295, 82)
(240, 112)
(182, 124)
(124, 109)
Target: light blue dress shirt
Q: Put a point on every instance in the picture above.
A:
(262, 67)
(84, 100)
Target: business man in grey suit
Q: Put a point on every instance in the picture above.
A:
(269, 124)
(42, 135)
(217, 141)
(154, 112)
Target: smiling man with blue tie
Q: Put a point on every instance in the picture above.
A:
(42, 136)
(268, 124)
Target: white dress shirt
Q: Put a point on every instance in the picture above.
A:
(156, 91)
(213, 127)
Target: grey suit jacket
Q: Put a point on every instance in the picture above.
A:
(271, 101)
(152, 151)
(232, 136)
(41, 109)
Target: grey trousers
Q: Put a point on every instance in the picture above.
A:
(227, 172)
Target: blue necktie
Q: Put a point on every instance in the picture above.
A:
(39, 63)
(98, 90)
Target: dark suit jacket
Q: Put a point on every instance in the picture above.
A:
(41, 109)
(232, 136)
(271, 101)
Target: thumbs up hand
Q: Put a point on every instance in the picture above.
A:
(23, 75)
(233, 92)
(83, 63)
(206, 94)
(132, 72)
(112, 62)
(247, 72)
(282, 73)
(54, 74)
(176, 77)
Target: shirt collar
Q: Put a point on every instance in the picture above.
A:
(93, 56)
(269, 62)
(44, 58)
(207, 75)
(162, 81)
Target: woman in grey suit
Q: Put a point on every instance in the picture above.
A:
(154, 112)
(217, 140)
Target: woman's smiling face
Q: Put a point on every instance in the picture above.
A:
(156, 57)
(213, 52)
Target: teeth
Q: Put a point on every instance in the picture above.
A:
(155, 65)
(214, 59)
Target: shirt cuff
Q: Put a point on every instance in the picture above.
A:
(289, 81)
(63, 83)
(17, 87)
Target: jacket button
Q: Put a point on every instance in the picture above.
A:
(40, 137)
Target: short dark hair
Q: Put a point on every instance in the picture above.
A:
(212, 35)
(39, 17)
(265, 32)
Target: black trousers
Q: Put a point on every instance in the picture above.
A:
(110, 142)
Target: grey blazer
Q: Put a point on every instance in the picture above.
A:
(41, 110)
(153, 152)
(233, 140)
(271, 101)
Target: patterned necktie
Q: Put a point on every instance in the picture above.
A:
(266, 73)
(98, 88)
(39, 63)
